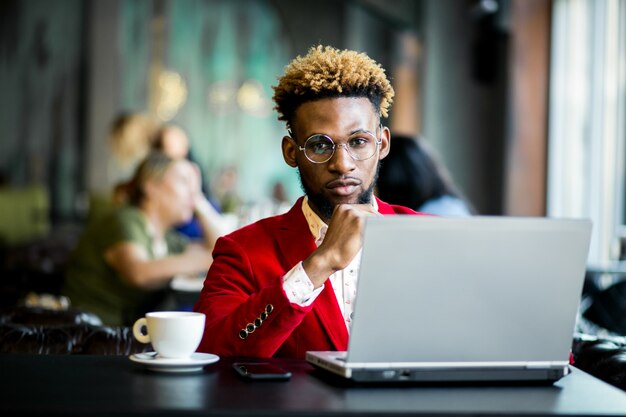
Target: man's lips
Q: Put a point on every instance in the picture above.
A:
(343, 186)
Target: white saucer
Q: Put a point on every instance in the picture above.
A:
(194, 363)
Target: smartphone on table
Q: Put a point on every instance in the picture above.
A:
(261, 371)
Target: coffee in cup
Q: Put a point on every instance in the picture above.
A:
(173, 334)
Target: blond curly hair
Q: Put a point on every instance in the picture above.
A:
(328, 72)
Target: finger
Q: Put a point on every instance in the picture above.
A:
(365, 208)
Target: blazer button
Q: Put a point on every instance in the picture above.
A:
(250, 328)
(263, 316)
(243, 334)
(269, 308)
(258, 322)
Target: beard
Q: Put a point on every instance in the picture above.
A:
(325, 207)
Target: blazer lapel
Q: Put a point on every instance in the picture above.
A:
(293, 236)
(296, 244)
(384, 208)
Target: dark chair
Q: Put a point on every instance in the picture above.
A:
(42, 332)
(601, 357)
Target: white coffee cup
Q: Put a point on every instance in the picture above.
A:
(173, 334)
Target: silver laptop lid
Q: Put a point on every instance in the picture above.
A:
(484, 289)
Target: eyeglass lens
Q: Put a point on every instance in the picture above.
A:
(320, 148)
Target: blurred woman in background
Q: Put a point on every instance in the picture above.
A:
(172, 140)
(412, 176)
(124, 262)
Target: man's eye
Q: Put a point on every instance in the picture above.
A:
(321, 147)
(358, 142)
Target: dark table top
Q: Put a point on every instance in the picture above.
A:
(105, 385)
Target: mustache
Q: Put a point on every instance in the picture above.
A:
(344, 181)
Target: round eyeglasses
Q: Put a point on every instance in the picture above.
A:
(320, 148)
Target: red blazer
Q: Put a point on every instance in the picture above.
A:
(244, 285)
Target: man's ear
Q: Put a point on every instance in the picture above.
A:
(385, 144)
(289, 151)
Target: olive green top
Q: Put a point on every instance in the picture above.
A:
(91, 283)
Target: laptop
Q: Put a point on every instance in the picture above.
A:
(464, 299)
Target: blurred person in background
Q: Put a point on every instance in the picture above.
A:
(124, 262)
(130, 139)
(224, 189)
(414, 177)
(172, 140)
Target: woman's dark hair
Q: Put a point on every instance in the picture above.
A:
(410, 175)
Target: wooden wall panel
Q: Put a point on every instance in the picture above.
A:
(525, 182)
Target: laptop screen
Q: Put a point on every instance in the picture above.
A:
(468, 289)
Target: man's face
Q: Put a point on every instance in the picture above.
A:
(342, 179)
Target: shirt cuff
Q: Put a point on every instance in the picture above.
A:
(299, 288)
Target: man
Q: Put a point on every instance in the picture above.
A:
(287, 284)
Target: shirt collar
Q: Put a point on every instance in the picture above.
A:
(316, 224)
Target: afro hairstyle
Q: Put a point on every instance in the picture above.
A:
(326, 72)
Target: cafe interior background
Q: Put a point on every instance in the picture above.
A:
(524, 100)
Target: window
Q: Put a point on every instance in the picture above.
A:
(587, 132)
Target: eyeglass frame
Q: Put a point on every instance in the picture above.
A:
(377, 141)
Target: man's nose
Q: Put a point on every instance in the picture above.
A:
(341, 160)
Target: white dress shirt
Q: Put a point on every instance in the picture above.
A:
(300, 289)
